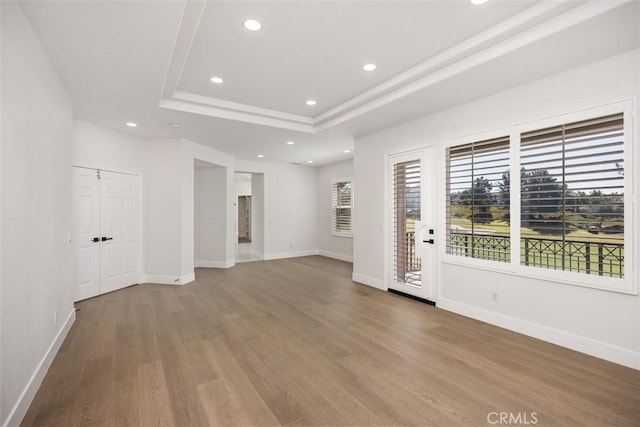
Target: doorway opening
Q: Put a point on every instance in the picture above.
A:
(244, 219)
(249, 189)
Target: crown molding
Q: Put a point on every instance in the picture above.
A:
(526, 27)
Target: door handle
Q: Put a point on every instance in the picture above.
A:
(104, 239)
(430, 241)
(95, 239)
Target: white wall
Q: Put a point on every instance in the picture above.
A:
(36, 255)
(100, 148)
(328, 244)
(243, 184)
(601, 323)
(290, 208)
(163, 212)
(211, 217)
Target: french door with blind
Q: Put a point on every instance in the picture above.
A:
(412, 230)
(106, 231)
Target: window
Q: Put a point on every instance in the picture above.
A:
(478, 200)
(547, 201)
(341, 199)
(572, 197)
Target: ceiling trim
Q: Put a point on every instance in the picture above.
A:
(443, 66)
(244, 108)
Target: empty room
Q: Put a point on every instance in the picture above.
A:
(304, 213)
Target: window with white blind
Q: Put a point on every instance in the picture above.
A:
(572, 197)
(478, 200)
(341, 203)
(552, 200)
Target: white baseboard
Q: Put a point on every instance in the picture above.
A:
(22, 405)
(369, 281)
(170, 280)
(215, 264)
(336, 255)
(162, 280)
(602, 350)
(188, 278)
(290, 254)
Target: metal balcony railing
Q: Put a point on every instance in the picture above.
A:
(589, 257)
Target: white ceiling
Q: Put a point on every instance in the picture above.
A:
(150, 62)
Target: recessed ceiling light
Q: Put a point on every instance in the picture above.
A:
(311, 102)
(290, 142)
(252, 25)
(174, 125)
(216, 80)
(478, 1)
(260, 156)
(131, 124)
(369, 67)
(347, 151)
(309, 161)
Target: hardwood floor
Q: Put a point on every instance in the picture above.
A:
(296, 342)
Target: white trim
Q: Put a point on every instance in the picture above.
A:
(602, 350)
(19, 410)
(524, 28)
(188, 278)
(336, 255)
(167, 280)
(214, 264)
(281, 255)
(369, 281)
(98, 168)
(223, 113)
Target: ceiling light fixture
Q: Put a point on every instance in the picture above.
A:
(216, 80)
(369, 67)
(132, 125)
(174, 125)
(311, 102)
(309, 161)
(347, 151)
(290, 142)
(260, 156)
(252, 25)
(476, 2)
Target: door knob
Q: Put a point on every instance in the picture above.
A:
(95, 239)
(104, 239)
(430, 241)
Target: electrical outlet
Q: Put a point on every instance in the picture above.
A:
(494, 296)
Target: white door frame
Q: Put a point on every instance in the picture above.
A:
(139, 277)
(427, 252)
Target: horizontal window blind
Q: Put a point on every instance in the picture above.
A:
(478, 199)
(572, 196)
(341, 207)
(407, 266)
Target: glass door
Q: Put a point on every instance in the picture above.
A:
(412, 224)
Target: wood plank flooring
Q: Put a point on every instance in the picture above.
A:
(296, 342)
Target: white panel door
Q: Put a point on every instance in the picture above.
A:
(86, 208)
(115, 218)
